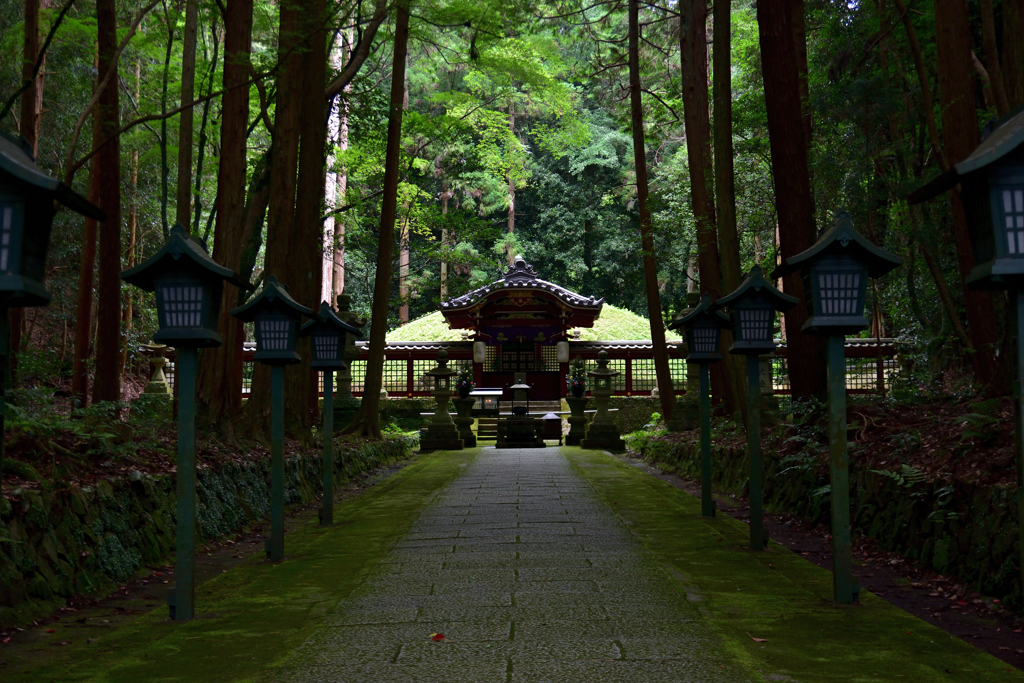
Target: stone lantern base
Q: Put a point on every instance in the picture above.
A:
(345, 410)
(603, 436)
(520, 432)
(685, 415)
(441, 436)
(577, 421)
(464, 421)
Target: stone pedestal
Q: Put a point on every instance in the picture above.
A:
(520, 432)
(577, 420)
(464, 420)
(685, 414)
(603, 436)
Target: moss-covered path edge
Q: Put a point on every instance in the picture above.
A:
(777, 597)
(251, 617)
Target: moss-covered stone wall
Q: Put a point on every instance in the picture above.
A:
(958, 529)
(57, 543)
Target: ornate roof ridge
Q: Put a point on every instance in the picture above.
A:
(521, 275)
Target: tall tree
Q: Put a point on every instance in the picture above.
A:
(183, 204)
(306, 229)
(107, 382)
(725, 189)
(220, 374)
(31, 110)
(960, 138)
(367, 420)
(693, 51)
(1013, 51)
(661, 367)
(782, 75)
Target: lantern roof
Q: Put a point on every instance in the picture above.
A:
(18, 162)
(327, 316)
(754, 284)
(842, 238)
(1007, 136)
(704, 309)
(602, 369)
(274, 296)
(179, 245)
(442, 369)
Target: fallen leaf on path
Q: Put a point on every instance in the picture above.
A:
(758, 640)
(51, 630)
(437, 637)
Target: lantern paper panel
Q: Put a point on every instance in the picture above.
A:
(755, 324)
(840, 293)
(1013, 219)
(326, 346)
(12, 213)
(182, 305)
(704, 340)
(275, 332)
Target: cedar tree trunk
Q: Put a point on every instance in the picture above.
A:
(367, 420)
(666, 394)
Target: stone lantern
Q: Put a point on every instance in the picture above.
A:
(275, 316)
(835, 271)
(441, 433)
(602, 433)
(753, 306)
(328, 333)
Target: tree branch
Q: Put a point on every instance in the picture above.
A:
(39, 60)
(69, 175)
(361, 52)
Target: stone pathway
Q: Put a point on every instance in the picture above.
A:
(530, 577)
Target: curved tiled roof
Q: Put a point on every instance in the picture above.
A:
(521, 276)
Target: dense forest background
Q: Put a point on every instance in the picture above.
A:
(263, 127)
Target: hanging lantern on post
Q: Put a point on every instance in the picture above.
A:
(703, 329)
(992, 189)
(275, 316)
(27, 197)
(188, 285)
(328, 334)
(753, 306)
(835, 271)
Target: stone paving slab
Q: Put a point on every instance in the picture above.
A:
(530, 577)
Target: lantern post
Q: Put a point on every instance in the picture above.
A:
(276, 316)
(27, 197)
(703, 327)
(836, 270)
(188, 285)
(753, 306)
(329, 334)
(992, 189)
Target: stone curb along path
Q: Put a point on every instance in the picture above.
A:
(528, 576)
